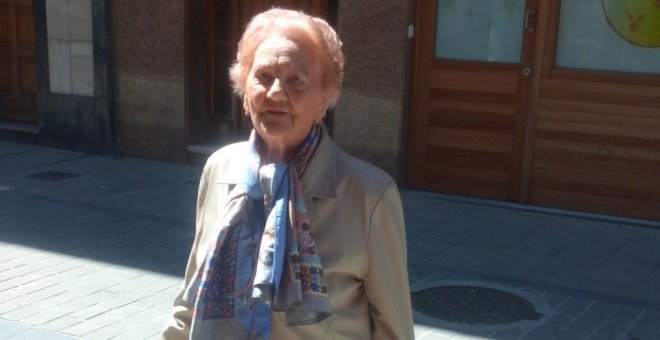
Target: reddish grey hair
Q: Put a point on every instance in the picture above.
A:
(326, 50)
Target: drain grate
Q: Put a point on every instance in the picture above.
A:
(473, 305)
(52, 176)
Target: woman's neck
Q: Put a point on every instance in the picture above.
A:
(277, 152)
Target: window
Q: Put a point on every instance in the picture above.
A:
(611, 35)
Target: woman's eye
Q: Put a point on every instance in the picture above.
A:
(296, 81)
(264, 77)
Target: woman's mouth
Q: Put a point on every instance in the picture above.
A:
(276, 112)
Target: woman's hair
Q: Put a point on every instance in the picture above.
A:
(327, 50)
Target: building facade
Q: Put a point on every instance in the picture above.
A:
(542, 102)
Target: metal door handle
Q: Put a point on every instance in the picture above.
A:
(529, 13)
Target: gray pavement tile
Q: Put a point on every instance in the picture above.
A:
(619, 271)
(40, 334)
(645, 252)
(91, 311)
(42, 317)
(10, 328)
(640, 333)
(88, 326)
(507, 334)
(554, 298)
(463, 257)
(8, 148)
(650, 319)
(494, 240)
(552, 239)
(559, 320)
(8, 296)
(143, 332)
(577, 331)
(608, 330)
(590, 317)
(626, 314)
(107, 332)
(542, 332)
(518, 260)
(21, 313)
(61, 323)
(574, 305)
(42, 294)
(7, 307)
(42, 156)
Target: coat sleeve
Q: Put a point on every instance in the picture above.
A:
(177, 326)
(386, 275)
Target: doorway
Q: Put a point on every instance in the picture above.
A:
(18, 72)
(472, 77)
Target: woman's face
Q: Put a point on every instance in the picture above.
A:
(283, 95)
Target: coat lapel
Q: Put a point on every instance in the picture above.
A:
(319, 178)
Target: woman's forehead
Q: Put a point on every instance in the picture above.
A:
(280, 50)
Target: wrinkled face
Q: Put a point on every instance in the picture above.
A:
(283, 95)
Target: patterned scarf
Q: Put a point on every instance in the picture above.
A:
(264, 258)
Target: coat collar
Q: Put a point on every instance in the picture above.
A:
(319, 179)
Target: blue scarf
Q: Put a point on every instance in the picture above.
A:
(264, 258)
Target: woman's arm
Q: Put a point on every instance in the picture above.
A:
(386, 279)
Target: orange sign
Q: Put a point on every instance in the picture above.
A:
(637, 21)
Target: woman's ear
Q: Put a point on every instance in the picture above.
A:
(245, 106)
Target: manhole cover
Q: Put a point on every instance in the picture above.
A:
(52, 176)
(473, 305)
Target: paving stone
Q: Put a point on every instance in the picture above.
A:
(21, 313)
(649, 320)
(9, 328)
(107, 332)
(508, 334)
(8, 296)
(577, 330)
(636, 332)
(144, 332)
(7, 306)
(61, 323)
(608, 330)
(625, 314)
(574, 305)
(89, 326)
(34, 334)
(42, 317)
(542, 332)
(91, 311)
(554, 299)
(559, 320)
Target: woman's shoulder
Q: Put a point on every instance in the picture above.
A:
(227, 164)
(361, 173)
(229, 152)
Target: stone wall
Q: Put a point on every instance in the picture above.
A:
(368, 119)
(149, 59)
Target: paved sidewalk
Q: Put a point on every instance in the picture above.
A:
(101, 255)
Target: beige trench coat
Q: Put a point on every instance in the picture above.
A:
(357, 221)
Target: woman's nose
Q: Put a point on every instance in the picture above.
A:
(276, 91)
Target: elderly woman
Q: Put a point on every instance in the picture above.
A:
(295, 238)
